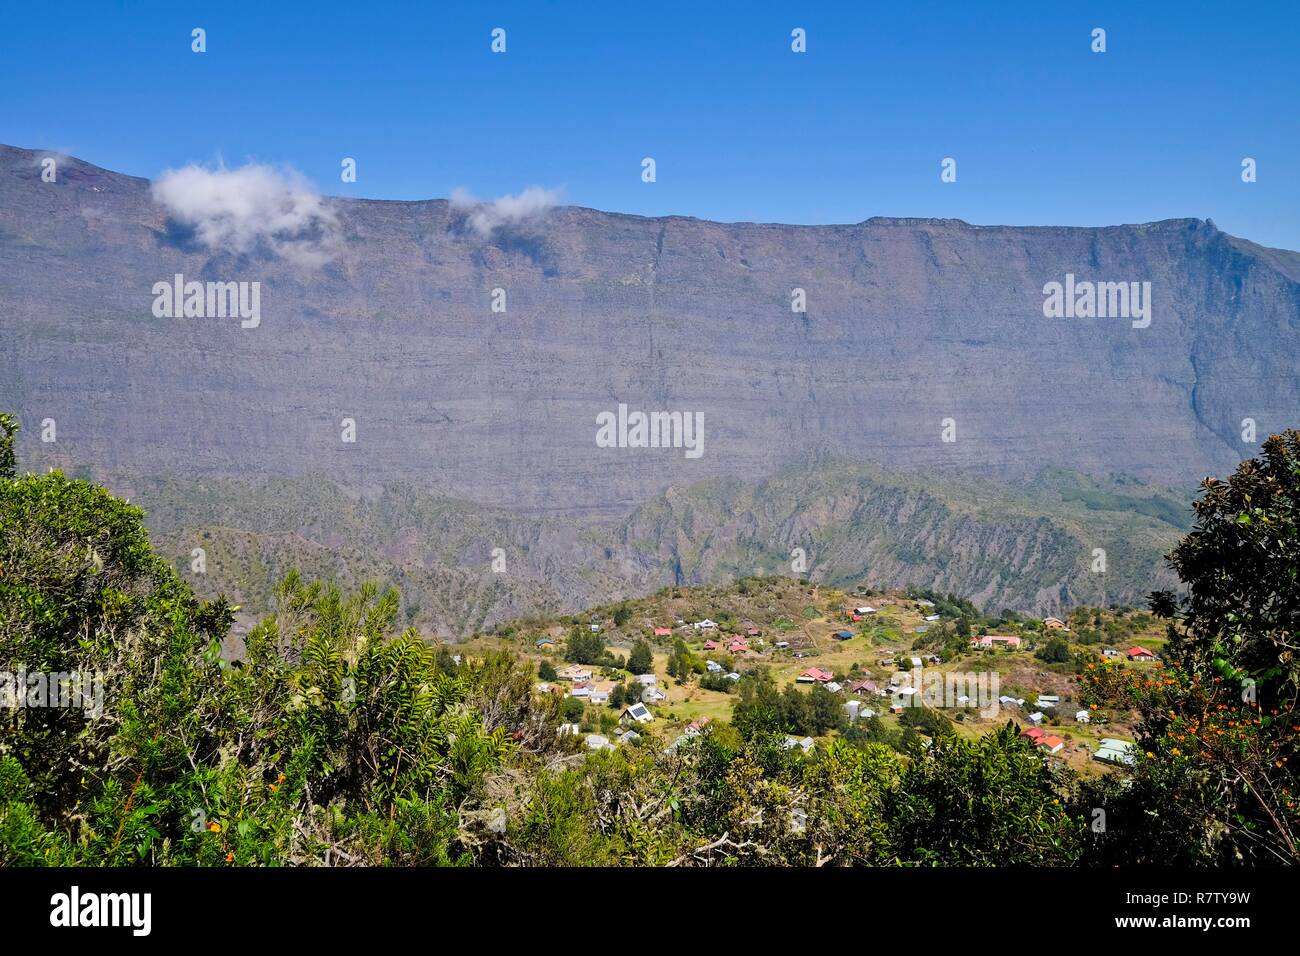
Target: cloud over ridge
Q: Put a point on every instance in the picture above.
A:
(485, 217)
(251, 207)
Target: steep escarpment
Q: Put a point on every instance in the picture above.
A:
(908, 323)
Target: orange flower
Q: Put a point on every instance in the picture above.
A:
(214, 826)
(230, 857)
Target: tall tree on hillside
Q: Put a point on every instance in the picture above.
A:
(641, 660)
(1215, 780)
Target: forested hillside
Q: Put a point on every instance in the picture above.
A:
(340, 737)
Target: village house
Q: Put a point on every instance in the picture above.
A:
(637, 713)
(652, 695)
(663, 632)
(575, 672)
(1083, 717)
(647, 680)
(1055, 624)
(713, 666)
(814, 675)
(1111, 654)
(544, 642)
(705, 625)
(843, 635)
(864, 687)
(806, 744)
(1136, 653)
(990, 641)
(865, 609)
(597, 742)
(710, 645)
(1121, 752)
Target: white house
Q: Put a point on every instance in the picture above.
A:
(1083, 717)
(1035, 718)
(705, 625)
(865, 609)
(638, 713)
(713, 666)
(652, 695)
(597, 742)
(647, 680)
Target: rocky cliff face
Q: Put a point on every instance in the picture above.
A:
(908, 323)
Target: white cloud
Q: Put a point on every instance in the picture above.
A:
(240, 210)
(485, 217)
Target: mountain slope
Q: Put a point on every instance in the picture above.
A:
(908, 322)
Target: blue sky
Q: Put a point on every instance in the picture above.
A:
(1043, 130)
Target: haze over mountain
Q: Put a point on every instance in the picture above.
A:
(908, 323)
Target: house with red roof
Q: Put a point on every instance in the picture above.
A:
(990, 641)
(814, 675)
(1136, 653)
(710, 645)
(663, 632)
(1051, 743)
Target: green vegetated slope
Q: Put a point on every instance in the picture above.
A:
(1028, 547)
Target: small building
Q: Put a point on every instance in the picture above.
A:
(1051, 743)
(1055, 624)
(575, 672)
(1083, 717)
(915, 662)
(652, 695)
(598, 742)
(781, 644)
(733, 676)
(1111, 654)
(865, 609)
(710, 645)
(814, 675)
(637, 713)
(713, 667)
(1035, 718)
(1120, 752)
(806, 744)
(989, 641)
(647, 680)
(543, 642)
(834, 687)
(663, 632)
(705, 625)
(1136, 653)
(843, 635)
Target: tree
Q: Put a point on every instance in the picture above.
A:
(641, 660)
(584, 646)
(573, 709)
(1219, 751)
(546, 671)
(622, 614)
(1055, 651)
